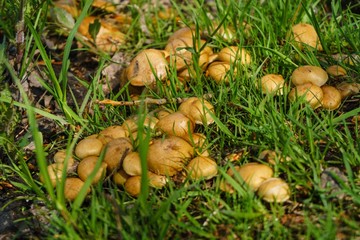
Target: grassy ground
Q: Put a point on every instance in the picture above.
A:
(248, 122)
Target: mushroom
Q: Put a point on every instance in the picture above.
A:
(148, 66)
(169, 155)
(312, 94)
(331, 99)
(254, 174)
(185, 32)
(60, 157)
(132, 164)
(309, 74)
(271, 156)
(219, 71)
(156, 181)
(120, 177)
(116, 150)
(87, 166)
(198, 141)
(202, 168)
(55, 173)
(348, 89)
(88, 147)
(305, 34)
(133, 186)
(272, 84)
(233, 54)
(113, 132)
(336, 71)
(274, 190)
(176, 124)
(198, 110)
(72, 188)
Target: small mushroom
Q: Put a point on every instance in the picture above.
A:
(198, 110)
(233, 54)
(133, 186)
(336, 71)
(271, 156)
(312, 94)
(60, 157)
(156, 181)
(120, 177)
(148, 66)
(114, 132)
(305, 34)
(116, 150)
(176, 124)
(254, 174)
(331, 99)
(348, 89)
(168, 156)
(72, 188)
(88, 147)
(202, 168)
(274, 190)
(185, 32)
(132, 164)
(219, 72)
(309, 74)
(272, 84)
(55, 173)
(87, 166)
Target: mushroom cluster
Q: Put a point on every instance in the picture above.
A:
(310, 85)
(183, 51)
(113, 151)
(258, 178)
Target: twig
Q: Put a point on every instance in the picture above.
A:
(161, 101)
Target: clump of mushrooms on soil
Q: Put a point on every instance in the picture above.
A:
(174, 147)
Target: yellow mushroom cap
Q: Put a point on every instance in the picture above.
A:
(87, 166)
(309, 92)
(272, 84)
(176, 124)
(274, 190)
(332, 97)
(116, 150)
(132, 164)
(198, 110)
(133, 186)
(309, 74)
(306, 34)
(202, 167)
(72, 188)
(233, 53)
(88, 147)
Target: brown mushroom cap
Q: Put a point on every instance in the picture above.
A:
(219, 71)
(168, 156)
(132, 164)
(274, 190)
(309, 74)
(202, 168)
(72, 188)
(332, 97)
(55, 173)
(146, 67)
(198, 110)
(272, 84)
(115, 151)
(87, 166)
(113, 132)
(176, 124)
(336, 71)
(305, 34)
(309, 92)
(120, 177)
(233, 53)
(185, 32)
(60, 157)
(156, 181)
(88, 147)
(133, 186)
(180, 56)
(348, 89)
(254, 174)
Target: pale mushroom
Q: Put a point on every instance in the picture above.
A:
(176, 124)
(132, 164)
(116, 150)
(331, 99)
(60, 157)
(87, 166)
(72, 188)
(220, 72)
(274, 190)
(305, 34)
(168, 156)
(155, 180)
(233, 54)
(272, 84)
(336, 71)
(348, 89)
(202, 168)
(254, 174)
(133, 186)
(148, 66)
(113, 132)
(310, 93)
(88, 147)
(120, 177)
(198, 110)
(55, 171)
(309, 74)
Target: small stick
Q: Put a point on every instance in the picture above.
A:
(161, 101)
